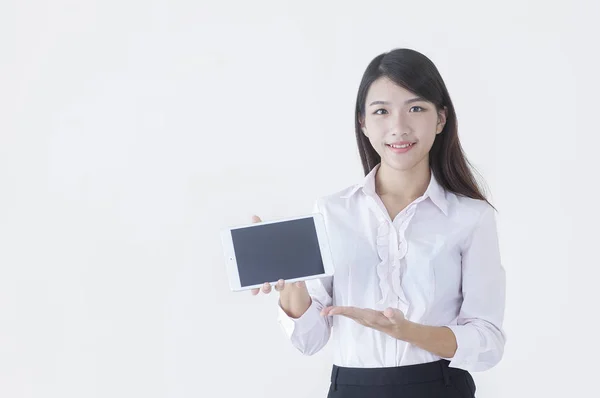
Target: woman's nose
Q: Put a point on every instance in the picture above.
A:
(399, 125)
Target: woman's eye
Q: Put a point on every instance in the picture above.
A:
(416, 109)
(380, 112)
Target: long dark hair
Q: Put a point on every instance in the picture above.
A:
(417, 73)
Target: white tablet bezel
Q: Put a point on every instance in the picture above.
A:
(231, 262)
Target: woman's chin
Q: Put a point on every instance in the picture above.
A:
(407, 164)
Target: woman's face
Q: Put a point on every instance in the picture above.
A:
(400, 126)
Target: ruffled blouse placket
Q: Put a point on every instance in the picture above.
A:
(392, 246)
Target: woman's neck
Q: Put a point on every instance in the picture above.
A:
(404, 185)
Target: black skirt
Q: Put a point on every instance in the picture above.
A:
(429, 380)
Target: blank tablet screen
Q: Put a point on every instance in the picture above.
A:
(282, 250)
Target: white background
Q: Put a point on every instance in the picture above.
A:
(131, 132)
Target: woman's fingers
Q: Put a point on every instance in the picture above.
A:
(266, 288)
(280, 285)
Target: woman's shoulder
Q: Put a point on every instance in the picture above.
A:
(468, 209)
(337, 198)
(465, 202)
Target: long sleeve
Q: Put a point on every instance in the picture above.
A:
(478, 330)
(311, 331)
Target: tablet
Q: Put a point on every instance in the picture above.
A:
(292, 249)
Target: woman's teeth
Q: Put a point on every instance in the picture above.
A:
(400, 146)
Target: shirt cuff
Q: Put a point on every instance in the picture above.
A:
(468, 343)
(299, 325)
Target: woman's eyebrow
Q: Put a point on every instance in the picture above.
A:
(416, 99)
(409, 101)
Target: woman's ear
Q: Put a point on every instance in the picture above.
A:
(442, 116)
(363, 128)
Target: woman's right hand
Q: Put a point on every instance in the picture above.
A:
(294, 297)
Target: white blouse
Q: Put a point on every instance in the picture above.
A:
(438, 261)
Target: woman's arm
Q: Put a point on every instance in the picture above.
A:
(480, 338)
(438, 340)
(307, 330)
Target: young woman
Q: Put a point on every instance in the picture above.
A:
(417, 299)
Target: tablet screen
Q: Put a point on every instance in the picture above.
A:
(282, 250)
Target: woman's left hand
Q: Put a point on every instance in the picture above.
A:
(391, 321)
